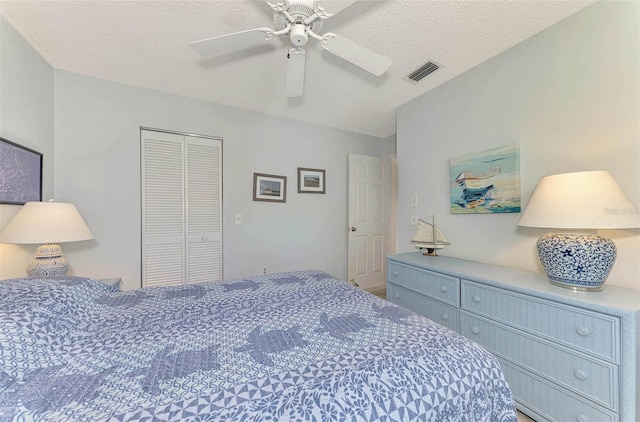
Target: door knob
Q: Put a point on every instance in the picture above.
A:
(352, 229)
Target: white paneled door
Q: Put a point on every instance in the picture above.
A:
(369, 205)
(181, 208)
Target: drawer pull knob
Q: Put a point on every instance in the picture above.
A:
(476, 299)
(582, 418)
(397, 296)
(475, 330)
(445, 317)
(443, 289)
(581, 375)
(583, 331)
(395, 273)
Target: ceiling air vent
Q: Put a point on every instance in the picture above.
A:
(423, 71)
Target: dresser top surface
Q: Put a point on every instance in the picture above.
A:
(525, 281)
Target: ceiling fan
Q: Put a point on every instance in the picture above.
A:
(299, 20)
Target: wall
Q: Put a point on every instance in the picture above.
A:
(26, 118)
(568, 96)
(97, 147)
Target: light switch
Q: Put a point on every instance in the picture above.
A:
(414, 200)
(238, 218)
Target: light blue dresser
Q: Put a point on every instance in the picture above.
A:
(568, 356)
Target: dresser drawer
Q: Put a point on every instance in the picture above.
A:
(428, 283)
(436, 311)
(594, 379)
(596, 334)
(549, 401)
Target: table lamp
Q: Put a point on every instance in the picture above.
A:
(48, 223)
(577, 205)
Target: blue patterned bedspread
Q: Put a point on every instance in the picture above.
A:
(281, 347)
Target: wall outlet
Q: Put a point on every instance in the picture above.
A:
(414, 219)
(264, 269)
(238, 218)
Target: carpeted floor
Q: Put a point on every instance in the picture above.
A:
(524, 418)
(380, 292)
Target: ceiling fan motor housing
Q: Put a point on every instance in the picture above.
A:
(298, 34)
(299, 10)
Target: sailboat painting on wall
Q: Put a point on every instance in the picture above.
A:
(487, 182)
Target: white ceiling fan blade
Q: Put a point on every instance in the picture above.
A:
(332, 7)
(295, 72)
(232, 42)
(352, 52)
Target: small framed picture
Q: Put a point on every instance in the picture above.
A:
(20, 174)
(310, 180)
(268, 187)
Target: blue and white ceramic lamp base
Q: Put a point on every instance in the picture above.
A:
(576, 261)
(48, 261)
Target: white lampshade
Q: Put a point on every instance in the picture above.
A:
(583, 200)
(46, 222)
(588, 200)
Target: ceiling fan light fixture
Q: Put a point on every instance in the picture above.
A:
(298, 34)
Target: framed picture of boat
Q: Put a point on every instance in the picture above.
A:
(310, 180)
(487, 182)
(269, 187)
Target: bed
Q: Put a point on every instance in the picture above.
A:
(291, 346)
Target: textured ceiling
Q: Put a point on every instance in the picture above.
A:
(144, 43)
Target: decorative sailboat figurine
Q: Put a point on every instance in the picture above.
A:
(429, 238)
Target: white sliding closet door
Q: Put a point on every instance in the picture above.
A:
(181, 209)
(203, 209)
